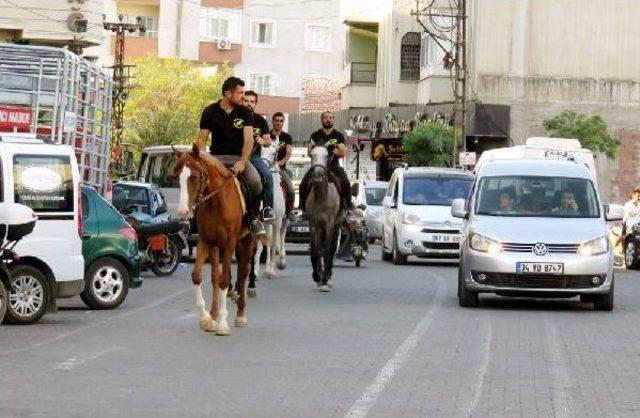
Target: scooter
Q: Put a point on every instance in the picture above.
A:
(160, 244)
(354, 237)
(16, 222)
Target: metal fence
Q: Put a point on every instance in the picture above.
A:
(70, 98)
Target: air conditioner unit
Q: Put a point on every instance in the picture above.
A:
(224, 44)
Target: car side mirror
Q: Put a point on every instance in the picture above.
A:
(388, 202)
(458, 208)
(614, 212)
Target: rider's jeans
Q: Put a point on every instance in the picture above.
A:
(267, 179)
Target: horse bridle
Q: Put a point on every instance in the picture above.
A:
(202, 187)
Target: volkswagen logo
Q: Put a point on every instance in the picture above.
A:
(540, 249)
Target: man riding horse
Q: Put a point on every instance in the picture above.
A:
(334, 141)
(230, 125)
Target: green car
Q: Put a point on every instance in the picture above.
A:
(110, 250)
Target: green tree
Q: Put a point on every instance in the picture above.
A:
(430, 144)
(591, 131)
(165, 106)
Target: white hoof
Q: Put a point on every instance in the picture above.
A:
(330, 283)
(251, 292)
(208, 324)
(241, 321)
(223, 330)
(281, 265)
(325, 288)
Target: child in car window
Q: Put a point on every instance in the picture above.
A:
(568, 204)
(507, 200)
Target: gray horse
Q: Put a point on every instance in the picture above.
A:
(324, 212)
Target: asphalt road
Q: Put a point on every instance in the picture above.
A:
(387, 342)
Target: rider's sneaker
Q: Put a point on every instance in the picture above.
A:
(257, 228)
(267, 214)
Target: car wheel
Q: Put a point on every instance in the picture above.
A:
(604, 302)
(631, 255)
(165, 263)
(28, 295)
(4, 299)
(106, 284)
(384, 255)
(466, 298)
(398, 258)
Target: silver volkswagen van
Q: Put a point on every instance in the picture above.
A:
(535, 227)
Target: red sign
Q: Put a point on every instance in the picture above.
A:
(14, 117)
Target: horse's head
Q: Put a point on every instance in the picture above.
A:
(319, 161)
(191, 173)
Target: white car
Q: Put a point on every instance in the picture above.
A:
(370, 193)
(417, 214)
(44, 177)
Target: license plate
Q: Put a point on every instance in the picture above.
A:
(445, 238)
(539, 268)
(300, 229)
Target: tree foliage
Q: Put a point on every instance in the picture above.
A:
(429, 145)
(591, 131)
(165, 106)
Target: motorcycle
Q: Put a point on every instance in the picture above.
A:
(354, 237)
(16, 222)
(630, 239)
(160, 244)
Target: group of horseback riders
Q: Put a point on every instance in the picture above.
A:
(239, 137)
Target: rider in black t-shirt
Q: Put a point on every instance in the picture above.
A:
(231, 127)
(284, 147)
(329, 137)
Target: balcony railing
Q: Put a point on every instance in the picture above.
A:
(363, 72)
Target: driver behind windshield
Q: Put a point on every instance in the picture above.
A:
(507, 200)
(568, 204)
(538, 203)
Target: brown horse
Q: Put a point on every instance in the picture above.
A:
(206, 184)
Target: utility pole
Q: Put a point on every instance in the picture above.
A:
(448, 29)
(121, 81)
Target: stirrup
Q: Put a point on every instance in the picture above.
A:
(267, 214)
(257, 228)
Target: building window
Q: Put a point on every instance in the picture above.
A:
(263, 83)
(432, 56)
(151, 28)
(220, 24)
(318, 38)
(410, 57)
(263, 34)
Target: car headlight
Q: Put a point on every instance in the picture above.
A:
(594, 247)
(486, 245)
(411, 219)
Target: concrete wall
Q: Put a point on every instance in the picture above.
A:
(287, 60)
(542, 57)
(358, 96)
(45, 22)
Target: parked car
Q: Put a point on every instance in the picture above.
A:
(535, 227)
(370, 193)
(111, 256)
(417, 214)
(45, 178)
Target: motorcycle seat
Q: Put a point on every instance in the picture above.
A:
(169, 227)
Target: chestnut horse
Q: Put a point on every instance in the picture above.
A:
(207, 184)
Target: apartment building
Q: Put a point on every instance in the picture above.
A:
(290, 52)
(75, 23)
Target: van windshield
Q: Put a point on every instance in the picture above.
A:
(438, 191)
(549, 197)
(375, 195)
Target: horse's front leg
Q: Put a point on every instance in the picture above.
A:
(243, 257)
(315, 258)
(225, 285)
(255, 269)
(268, 267)
(282, 252)
(207, 323)
(329, 253)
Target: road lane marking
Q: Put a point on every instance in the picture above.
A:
(74, 362)
(96, 323)
(484, 366)
(371, 393)
(560, 372)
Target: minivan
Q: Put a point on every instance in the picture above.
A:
(44, 177)
(537, 228)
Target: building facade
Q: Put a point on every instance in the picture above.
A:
(74, 23)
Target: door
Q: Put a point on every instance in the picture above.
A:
(90, 230)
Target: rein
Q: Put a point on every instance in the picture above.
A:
(202, 198)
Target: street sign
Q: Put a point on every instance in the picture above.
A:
(15, 117)
(467, 158)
